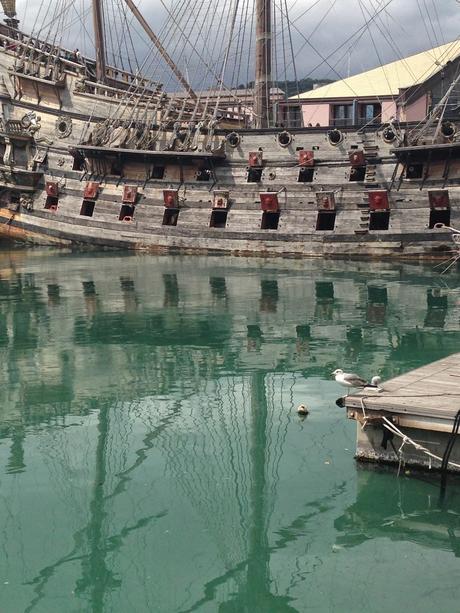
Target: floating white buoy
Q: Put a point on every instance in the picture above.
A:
(302, 410)
(376, 381)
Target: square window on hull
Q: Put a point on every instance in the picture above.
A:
(357, 173)
(325, 220)
(116, 168)
(203, 174)
(306, 175)
(218, 219)
(379, 220)
(439, 216)
(270, 221)
(126, 212)
(414, 171)
(170, 217)
(51, 203)
(158, 172)
(78, 162)
(254, 175)
(87, 208)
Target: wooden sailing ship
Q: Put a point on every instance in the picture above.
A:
(100, 156)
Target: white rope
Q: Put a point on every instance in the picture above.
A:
(407, 440)
(389, 425)
(364, 424)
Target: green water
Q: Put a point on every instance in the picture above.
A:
(151, 456)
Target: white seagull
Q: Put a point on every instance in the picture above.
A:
(347, 379)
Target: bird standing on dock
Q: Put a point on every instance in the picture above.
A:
(376, 381)
(349, 380)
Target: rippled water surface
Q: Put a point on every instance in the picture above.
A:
(151, 456)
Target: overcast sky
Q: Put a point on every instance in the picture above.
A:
(402, 28)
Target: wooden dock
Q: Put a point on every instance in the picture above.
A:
(411, 419)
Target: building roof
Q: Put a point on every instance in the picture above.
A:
(226, 93)
(389, 79)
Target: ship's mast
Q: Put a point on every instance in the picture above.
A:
(263, 63)
(99, 40)
(9, 8)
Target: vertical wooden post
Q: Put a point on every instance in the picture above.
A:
(263, 76)
(99, 40)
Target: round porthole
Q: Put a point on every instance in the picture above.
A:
(448, 129)
(63, 127)
(388, 134)
(26, 122)
(233, 139)
(335, 137)
(284, 138)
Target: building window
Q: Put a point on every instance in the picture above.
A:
(342, 115)
(369, 113)
(294, 116)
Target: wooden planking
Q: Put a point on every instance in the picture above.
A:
(432, 390)
(407, 234)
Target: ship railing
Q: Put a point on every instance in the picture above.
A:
(24, 43)
(101, 89)
(14, 126)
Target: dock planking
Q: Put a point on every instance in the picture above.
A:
(412, 419)
(430, 391)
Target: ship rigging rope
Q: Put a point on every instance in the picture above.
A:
(423, 122)
(323, 58)
(224, 64)
(389, 425)
(386, 32)
(433, 41)
(127, 98)
(422, 78)
(380, 62)
(360, 31)
(407, 440)
(291, 47)
(438, 22)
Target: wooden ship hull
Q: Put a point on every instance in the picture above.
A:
(217, 188)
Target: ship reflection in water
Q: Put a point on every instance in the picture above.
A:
(151, 456)
(403, 510)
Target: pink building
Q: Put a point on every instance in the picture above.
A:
(404, 90)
